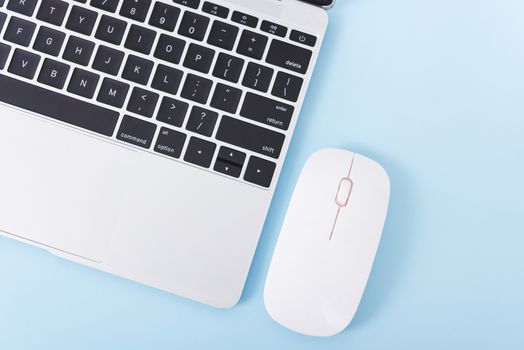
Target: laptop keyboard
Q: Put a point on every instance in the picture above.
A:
(188, 79)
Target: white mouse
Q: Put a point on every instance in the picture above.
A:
(327, 243)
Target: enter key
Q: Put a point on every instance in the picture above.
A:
(267, 111)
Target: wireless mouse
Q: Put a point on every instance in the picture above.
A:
(327, 243)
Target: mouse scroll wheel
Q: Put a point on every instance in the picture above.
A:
(344, 191)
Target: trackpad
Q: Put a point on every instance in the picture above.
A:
(59, 187)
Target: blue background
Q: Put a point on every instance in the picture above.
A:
(434, 90)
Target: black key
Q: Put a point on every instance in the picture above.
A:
(200, 152)
(58, 106)
(78, 50)
(202, 121)
(106, 5)
(273, 28)
(260, 171)
(140, 39)
(111, 30)
(287, 86)
(214, 9)
(135, 9)
(81, 20)
(172, 111)
(53, 73)
(24, 7)
(170, 142)
(167, 79)
(191, 3)
(164, 16)
(199, 58)
(303, 38)
(113, 92)
(81, 1)
(19, 31)
(3, 17)
(257, 77)
(289, 56)
(1, 3)
(4, 53)
(252, 44)
(267, 111)
(136, 132)
(231, 156)
(226, 168)
(142, 102)
(228, 67)
(226, 98)
(108, 60)
(245, 19)
(169, 49)
(49, 41)
(251, 137)
(52, 11)
(196, 88)
(83, 83)
(24, 63)
(193, 26)
(222, 35)
(137, 69)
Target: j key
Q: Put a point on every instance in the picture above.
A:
(3, 17)
(137, 69)
(113, 92)
(52, 11)
(19, 31)
(167, 79)
(172, 111)
(53, 73)
(226, 98)
(24, 64)
(83, 83)
(193, 26)
(199, 58)
(228, 67)
(136, 132)
(81, 20)
(111, 30)
(4, 53)
(303, 38)
(229, 161)
(267, 111)
(287, 86)
(200, 152)
(244, 19)
(216, 10)
(273, 28)
(191, 3)
(289, 56)
(135, 9)
(252, 44)
(24, 7)
(49, 41)
(260, 171)
(257, 77)
(202, 121)
(106, 5)
(251, 137)
(222, 35)
(196, 88)
(164, 16)
(108, 60)
(78, 50)
(170, 142)
(169, 48)
(142, 102)
(140, 39)
(71, 110)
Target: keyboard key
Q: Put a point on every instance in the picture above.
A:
(287, 86)
(196, 88)
(3, 17)
(245, 19)
(228, 67)
(49, 41)
(137, 69)
(303, 38)
(23, 7)
(81, 20)
(135, 9)
(52, 11)
(136, 132)
(172, 111)
(24, 64)
(260, 172)
(142, 102)
(289, 56)
(200, 152)
(169, 49)
(250, 137)
(4, 53)
(273, 28)
(216, 10)
(108, 60)
(113, 92)
(164, 16)
(252, 44)
(202, 121)
(167, 79)
(19, 31)
(257, 77)
(170, 142)
(106, 5)
(227, 169)
(191, 3)
(53, 73)
(199, 58)
(78, 50)
(229, 161)
(83, 83)
(226, 98)
(193, 26)
(111, 30)
(140, 39)
(267, 111)
(222, 35)
(58, 106)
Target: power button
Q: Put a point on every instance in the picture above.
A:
(303, 38)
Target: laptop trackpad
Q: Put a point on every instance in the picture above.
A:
(59, 187)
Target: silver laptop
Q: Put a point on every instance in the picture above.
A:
(145, 137)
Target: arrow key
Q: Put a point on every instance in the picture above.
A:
(227, 168)
(231, 156)
(200, 152)
(259, 171)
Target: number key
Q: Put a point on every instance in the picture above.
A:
(193, 26)
(135, 9)
(164, 16)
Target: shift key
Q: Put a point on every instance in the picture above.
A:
(267, 111)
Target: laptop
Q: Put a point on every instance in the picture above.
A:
(145, 138)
